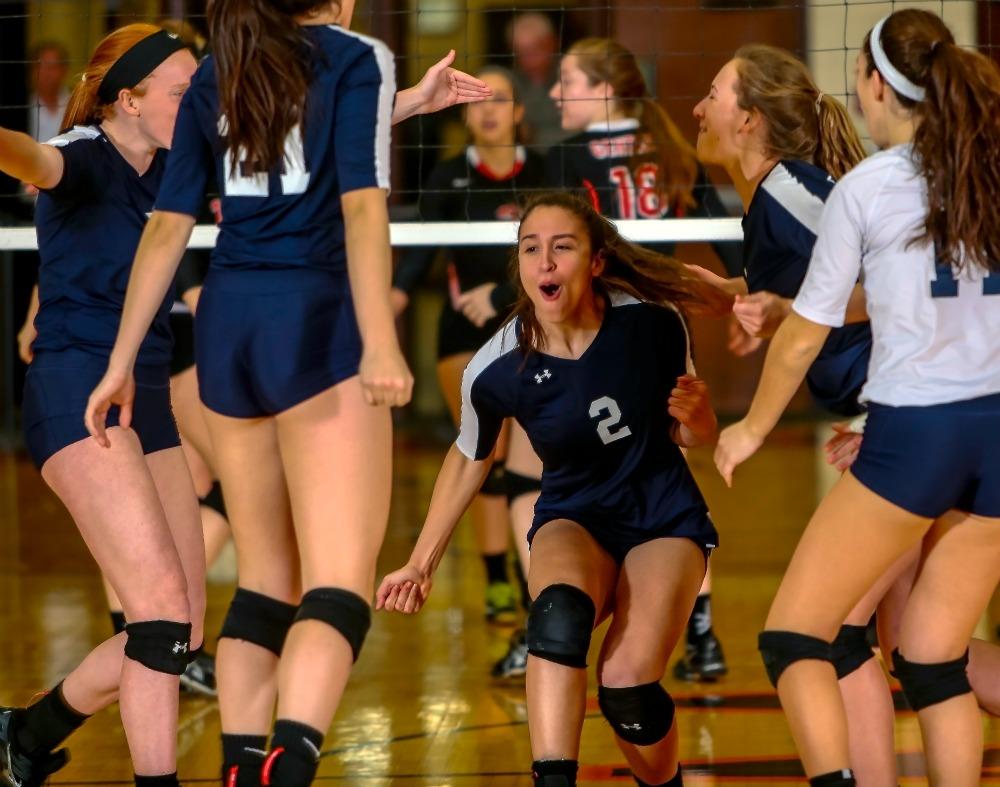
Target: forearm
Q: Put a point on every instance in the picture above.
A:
(686, 438)
(23, 158)
(793, 349)
(369, 264)
(160, 249)
(29, 318)
(857, 306)
(408, 104)
(456, 486)
(737, 285)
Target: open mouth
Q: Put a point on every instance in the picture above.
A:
(550, 291)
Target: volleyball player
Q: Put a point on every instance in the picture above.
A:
(916, 221)
(595, 365)
(297, 388)
(487, 182)
(132, 502)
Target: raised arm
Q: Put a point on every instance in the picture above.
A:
(406, 589)
(29, 161)
(441, 87)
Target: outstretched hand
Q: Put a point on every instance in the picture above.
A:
(404, 590)
(115, 388)
(443, 86)
(737, 443)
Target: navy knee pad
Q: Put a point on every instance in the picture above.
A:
(495, 484)
(844, 778)
(851, 650)
(780, 649)
(258, 619)
(641, 715)
(928, 684)
(517, 485)
(560, 623)
(160, 645)
(214, 500)
(341, 609)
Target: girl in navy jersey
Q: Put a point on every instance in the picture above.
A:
(595, 365)
(488, 182)
(926, 470)
(133, 502)
(292, 112)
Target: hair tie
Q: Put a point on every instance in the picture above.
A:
(900, 83)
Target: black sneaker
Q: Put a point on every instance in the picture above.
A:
(703, 661)
(199, 676)
(515, 663)
(17, 767)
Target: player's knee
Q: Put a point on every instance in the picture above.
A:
(560, 623)
(344, 611)
(516, 485)
(495, 484)
(780, 649)
(641, 715)
(258, 619)
(160, 645)
(851, 650)
(214, 500)
(928, 684)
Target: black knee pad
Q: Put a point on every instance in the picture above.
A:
(214, 500)
(928, 684)
(851, 650)
(259, 619)
(161, 645)
(345, 611)
(560, 622)
(641, 715)
(495, 484)
(781, 649)
(517, 485)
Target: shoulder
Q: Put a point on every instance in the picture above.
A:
(84, 136)
(346, 46)
(628, 307)
(878, 168)
(499, 351)
(798, 190)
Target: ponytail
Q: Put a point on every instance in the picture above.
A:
(84, 106)
(838, 146)
(957, 142)
(262, 67)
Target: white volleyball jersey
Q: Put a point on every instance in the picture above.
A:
(936, 331)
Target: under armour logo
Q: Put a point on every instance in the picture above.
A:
(541, 378)
(180, 647)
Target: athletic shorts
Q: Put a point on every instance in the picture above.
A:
(618, 539)
(56, 390)
(929, 460)
(182, 327)
(456, 335)
(268, 340)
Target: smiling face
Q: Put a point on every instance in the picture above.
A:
(156, 109)
(493, 123)
(557, 265)
(580, 102)
(720, 119)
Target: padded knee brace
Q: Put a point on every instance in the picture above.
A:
(780, 649)
(560, 622)
(214, 500)
(641, 715)
(341, 609)
(259, 619)
(517, 485)
(495, 483)
(161, 645)
(851, 650)
(928, 684)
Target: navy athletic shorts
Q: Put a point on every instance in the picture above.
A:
(56, 390)
(835, 380)
(267, 340)
(929, 460)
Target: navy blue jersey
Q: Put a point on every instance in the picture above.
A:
(599, 423)
(779, 232)
(290, 218)
(89, 227)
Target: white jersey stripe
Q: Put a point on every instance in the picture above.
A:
(502, 342)
(804, 206)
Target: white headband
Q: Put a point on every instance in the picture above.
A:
(892, 75)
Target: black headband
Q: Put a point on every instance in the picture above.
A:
(137, 64)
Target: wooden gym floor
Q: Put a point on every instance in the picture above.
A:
(421, 709)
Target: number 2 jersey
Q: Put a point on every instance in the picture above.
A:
(290, 218)
(599, 423)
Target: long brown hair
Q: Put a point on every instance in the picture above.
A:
(605, 60)
(628, 268)
(84, 106)
(262, 69)
(957, 142)
(803, 123)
